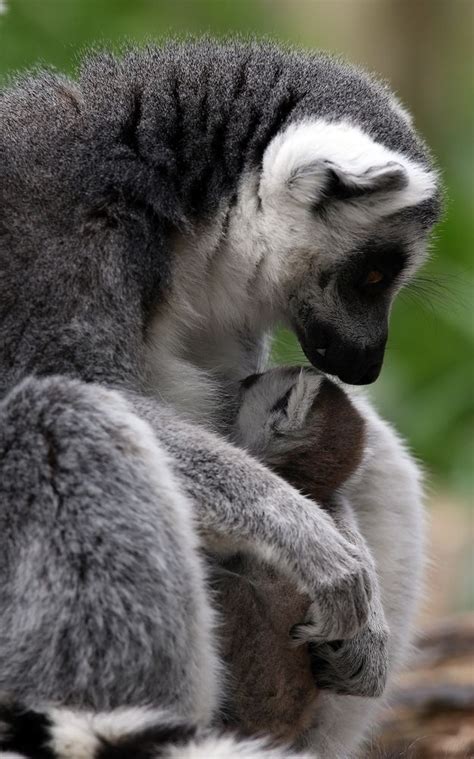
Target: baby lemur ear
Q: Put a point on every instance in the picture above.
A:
(318, 162)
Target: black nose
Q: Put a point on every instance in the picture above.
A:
(353, 366)
(352, 363)
(367, 376)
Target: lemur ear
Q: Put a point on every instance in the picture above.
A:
(315, 182)
(318, 161)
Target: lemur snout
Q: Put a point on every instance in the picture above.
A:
(343, 358)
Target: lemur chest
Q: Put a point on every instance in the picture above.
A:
(209, 334)
(199, 373)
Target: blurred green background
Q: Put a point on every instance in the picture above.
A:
(424, 48)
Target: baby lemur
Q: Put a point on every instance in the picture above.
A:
(305, 428)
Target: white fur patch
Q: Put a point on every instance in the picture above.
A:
(298, 160)
(78, 735)
(72, 734)
(226, 747)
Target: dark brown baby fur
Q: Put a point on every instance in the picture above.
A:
(272, 689)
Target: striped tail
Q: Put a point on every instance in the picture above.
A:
(128, 733)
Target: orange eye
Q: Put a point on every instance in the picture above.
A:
(374, 277)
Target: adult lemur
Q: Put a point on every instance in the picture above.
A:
(158, 217)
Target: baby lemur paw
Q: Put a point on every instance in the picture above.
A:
(356, 667)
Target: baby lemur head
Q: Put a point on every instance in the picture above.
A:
(304, 426)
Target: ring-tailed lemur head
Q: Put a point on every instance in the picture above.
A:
(344, 222)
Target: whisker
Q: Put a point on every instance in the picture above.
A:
(432, 289)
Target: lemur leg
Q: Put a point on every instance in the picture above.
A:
(102, 592)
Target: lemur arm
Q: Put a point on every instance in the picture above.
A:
(240, 504)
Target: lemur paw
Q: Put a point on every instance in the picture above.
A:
(340, 608)
(356, 667)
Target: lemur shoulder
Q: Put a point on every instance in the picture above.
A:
(159, 216)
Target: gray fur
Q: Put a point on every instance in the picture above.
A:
(131, 201)
(239, 504)
(307, 430)
(102, 586)
(96, 174)
(286, 421)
